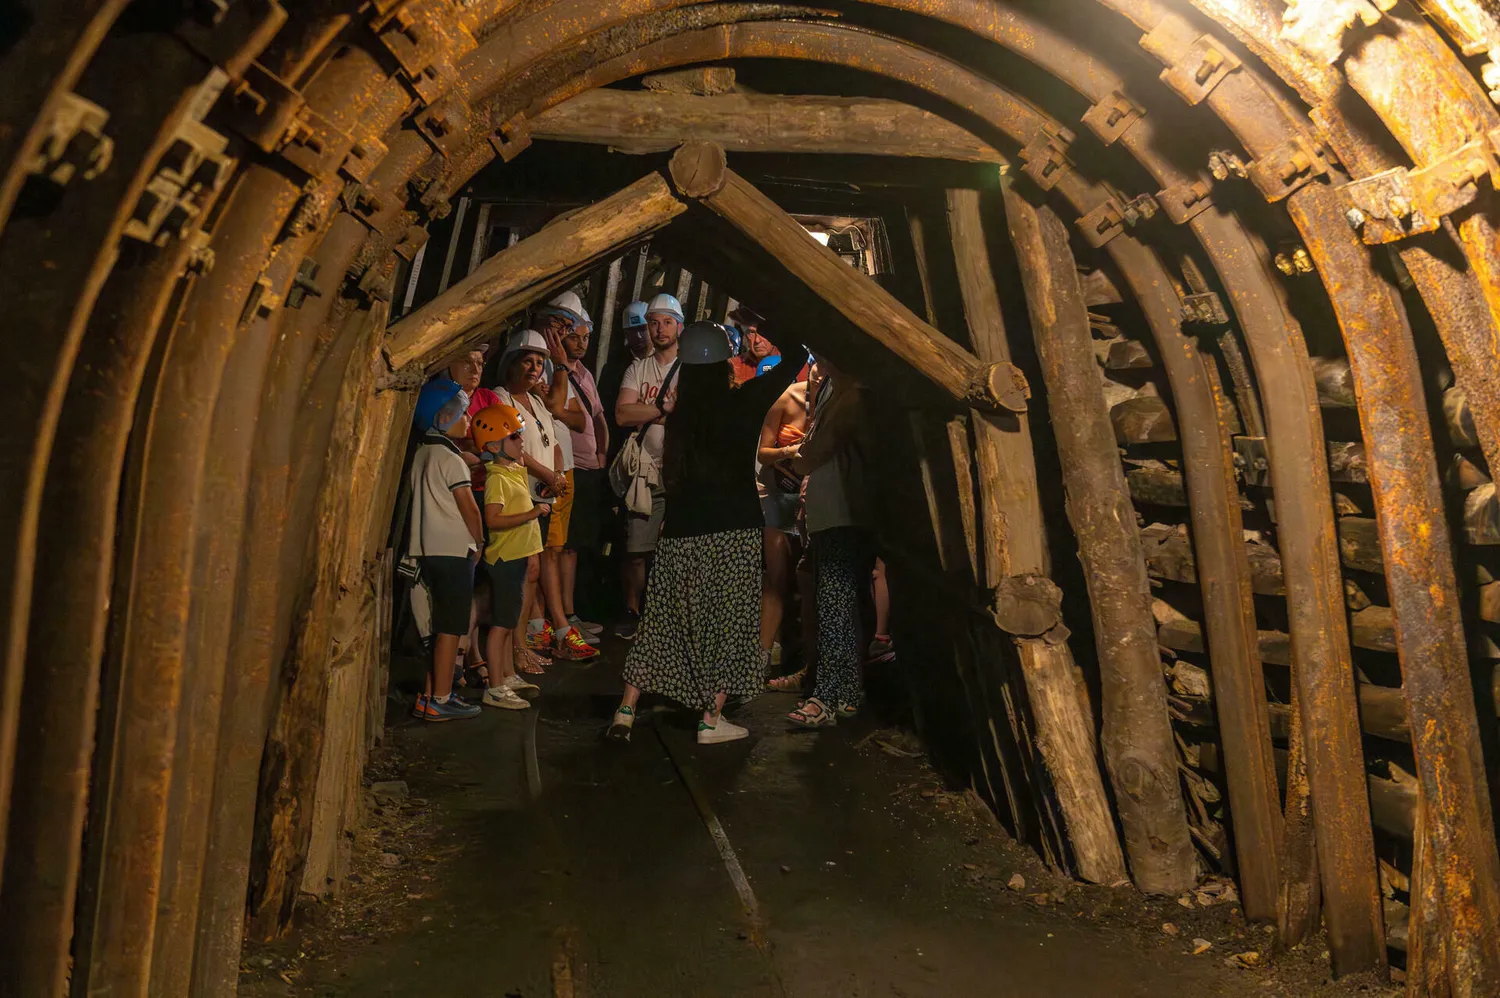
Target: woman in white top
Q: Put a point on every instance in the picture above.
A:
(522, 375)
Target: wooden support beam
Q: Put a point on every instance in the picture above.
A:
(641, 121)
(697, 80)
(516, 277)
(1139, 751)
(293, 756)
(1169, 555)
(1016, 564)
(699, 171)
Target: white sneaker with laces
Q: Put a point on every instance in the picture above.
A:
(518, 685)
(505, 698)
(720, 731)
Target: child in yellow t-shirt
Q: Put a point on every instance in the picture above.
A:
(515, 539)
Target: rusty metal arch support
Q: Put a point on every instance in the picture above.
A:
(1404, 478)
(1312, 569)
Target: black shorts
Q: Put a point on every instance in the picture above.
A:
(450, 586)
(507, 584)
(588, 508)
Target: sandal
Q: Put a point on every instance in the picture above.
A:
(531, 663)
(477, 675)
(794, 682)
(813, 713)
(846, 709)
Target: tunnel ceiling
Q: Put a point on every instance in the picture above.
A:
(206, 208)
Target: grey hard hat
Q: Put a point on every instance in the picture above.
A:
(704, 342)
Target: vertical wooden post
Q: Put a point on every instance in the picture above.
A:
(1016, 562)
(294, 746)
(1138, 748)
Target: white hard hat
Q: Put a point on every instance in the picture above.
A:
(667, 305)
(567, 304)
(583, 318)
(524, 341)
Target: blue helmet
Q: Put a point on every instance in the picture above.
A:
(635, 315)
(434, 395)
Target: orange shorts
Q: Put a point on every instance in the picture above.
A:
(562, 513)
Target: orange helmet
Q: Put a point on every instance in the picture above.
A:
(495, 423)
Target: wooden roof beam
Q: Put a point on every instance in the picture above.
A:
(646, 121)
(522, 274)
(699, 171)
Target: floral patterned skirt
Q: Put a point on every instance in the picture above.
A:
(700, 630)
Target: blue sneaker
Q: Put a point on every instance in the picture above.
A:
(453, 710)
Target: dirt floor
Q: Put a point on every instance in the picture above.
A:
(862, 876)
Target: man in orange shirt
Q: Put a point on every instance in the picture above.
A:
(757, 354)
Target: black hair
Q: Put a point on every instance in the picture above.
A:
(696, 426)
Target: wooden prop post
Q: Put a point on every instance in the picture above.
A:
(699, 171)
(1138, 748)
(643, 121)
(1015, 564)
(537, 265)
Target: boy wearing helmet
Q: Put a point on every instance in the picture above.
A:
(515, 540)
(446, 533)
(647, 394)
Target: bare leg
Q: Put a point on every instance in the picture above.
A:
(444, 652)
(530, 604)
(552, 588)
(711, 716)
(501, 655)
(882, 601)
(807, 585)
(569, 566)
(778, 555)
(633, 572)
(631, 695)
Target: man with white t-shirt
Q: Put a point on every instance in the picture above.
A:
(647, 393)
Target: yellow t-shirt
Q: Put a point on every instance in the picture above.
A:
(507, 487)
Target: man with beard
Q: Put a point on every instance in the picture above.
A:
(647, 393)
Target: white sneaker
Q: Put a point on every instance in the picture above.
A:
(588, 627)
(722, 731)
(505, 698)
(518, 685)
(619, 727)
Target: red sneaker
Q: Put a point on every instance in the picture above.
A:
(571, 647)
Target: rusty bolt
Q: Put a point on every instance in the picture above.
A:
(1212, 60)
(1399, 206)
(1284, 264)
(1301, 261)
(201, 261)
(1354, 217)
(1224, 164)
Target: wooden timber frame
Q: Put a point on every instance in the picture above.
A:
(184, 590)
(1137, 733)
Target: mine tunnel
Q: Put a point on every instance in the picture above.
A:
(1176, 327)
